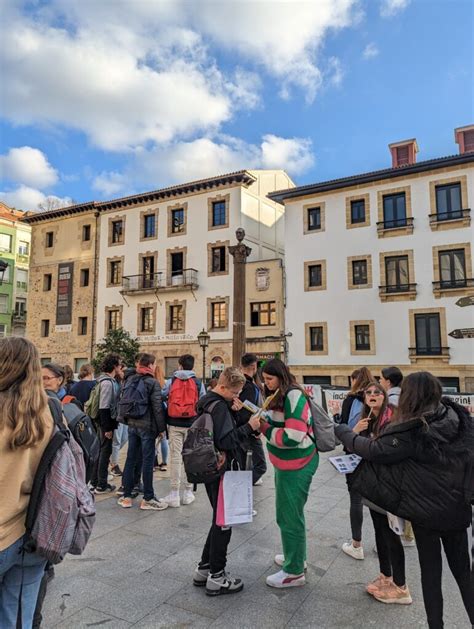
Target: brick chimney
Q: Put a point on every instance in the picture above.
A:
(403, 153)
(464, 136)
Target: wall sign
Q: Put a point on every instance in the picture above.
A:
(64, 299)
(262, 278)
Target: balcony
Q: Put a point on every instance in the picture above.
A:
(22, 286)
(402, 291)
(454, 287)
(160, 282)
(447, 220)
(19, 317)
(22, 258)
(395, 227)
(428, 352)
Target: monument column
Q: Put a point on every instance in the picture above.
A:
(240, 253)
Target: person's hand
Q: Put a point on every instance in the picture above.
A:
(254, 422)
(361, 425)
(109, 434)
(237, 404)
(161, 436)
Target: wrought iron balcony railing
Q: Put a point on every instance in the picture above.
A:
(161, 281)
(465, 282)
(457, 215)
(397, 223)
(429, 351)
(393, 289)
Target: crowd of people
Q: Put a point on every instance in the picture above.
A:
(416, 446)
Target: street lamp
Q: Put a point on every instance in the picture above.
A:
(3, 268)
(203, 338)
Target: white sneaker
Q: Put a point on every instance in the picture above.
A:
(284, 580)
(188, 498)
(352, 551)
(172, 499)
(154, 504)
(408, 543)
(258, 482)
(280, 560)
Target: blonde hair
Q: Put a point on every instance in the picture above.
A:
(232, 378)
(160, 375)
(23, 401)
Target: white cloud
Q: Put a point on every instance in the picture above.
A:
(291, 154)
(26, 198)
(370, 51)
(391, 7)
(110, 183)
(29, 166)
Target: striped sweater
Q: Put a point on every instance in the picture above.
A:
(287, 432)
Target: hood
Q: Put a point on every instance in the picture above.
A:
(449, 432)
(208, 399)
(394, 391)
(184, 374)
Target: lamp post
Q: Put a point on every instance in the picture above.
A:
(3, 268)
(203, 338)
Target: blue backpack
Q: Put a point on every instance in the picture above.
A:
(134, 402)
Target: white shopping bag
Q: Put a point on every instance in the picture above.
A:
(235, 500)
(396, 523)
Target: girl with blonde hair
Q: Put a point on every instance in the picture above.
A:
(26, 427)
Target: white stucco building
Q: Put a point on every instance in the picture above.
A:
(375, 264)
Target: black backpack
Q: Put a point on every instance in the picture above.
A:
(81, 428)
(202, 461)
(134, 400)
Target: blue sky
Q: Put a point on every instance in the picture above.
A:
(106, 98)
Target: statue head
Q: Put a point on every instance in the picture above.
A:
(240, 234)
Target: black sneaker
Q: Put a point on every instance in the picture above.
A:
(121, 491)
(222, 583)
(115, 470)
(105, 489)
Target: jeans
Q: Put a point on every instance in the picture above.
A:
(456, 548)
(259, 463)
(214, 552)
(15, 567)
(389, 549)
(177, 436)
(119, 440)
(139, 440)
(164, 448)
(101, 472)
(356, 515)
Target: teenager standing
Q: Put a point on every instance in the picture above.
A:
(288, 430)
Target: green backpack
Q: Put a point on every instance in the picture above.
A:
(91, 407)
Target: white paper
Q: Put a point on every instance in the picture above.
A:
(238, 497)
(396, 524)
(346, 463)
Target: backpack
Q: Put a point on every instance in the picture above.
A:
(61, 510)
(134, 400)
(202, 461)
(82, 429)
(183, 398)
(323, 427)
(91, 407)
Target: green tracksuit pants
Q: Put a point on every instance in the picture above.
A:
(292, 490)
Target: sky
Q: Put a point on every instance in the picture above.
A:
(105, 98)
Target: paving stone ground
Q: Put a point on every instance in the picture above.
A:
(137, 571)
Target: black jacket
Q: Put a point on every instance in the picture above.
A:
(153, 421)
(420, 470)
(249, 392)
(227, 436)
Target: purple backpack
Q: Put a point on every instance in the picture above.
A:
(61, 511)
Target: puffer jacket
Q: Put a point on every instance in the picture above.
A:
(421, 470)
(153, 421)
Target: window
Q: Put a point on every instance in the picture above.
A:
(5, 274)
(358, 211)
(219, 314)
(177, 220)
(3, 304)
(3, 330)
(84, 278)
(171, 365)
(149, 226)
(115, 272)
(86, 233)
(396, 273)
(316, 338)
(44, 327)
(315, 275)
(362, 337)
(5, 242)
(47, 281)
(146, 319)
(20, 308)
(218, 262)
(314, 218)
(78, 362)
(218, 213)
(394, 210)
(428, 334)
(148, 271)
(176, 318)
(49, 239)
(450, 384)
(324, 380)
(177, 263)
(452, 268)
(359, 272)
(23, 248)
(82, 327)
(113, 319)
(117, 232)
(22, 279)
(263, 313)
(448, 202)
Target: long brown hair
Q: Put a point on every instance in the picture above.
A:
(420, 395)
(159, 375)
(362, 377)
(276, 367)
(374, 425)
(23, 402)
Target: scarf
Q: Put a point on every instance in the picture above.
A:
(146, 371)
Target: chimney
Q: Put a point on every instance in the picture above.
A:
(403, 153)
(464, 136)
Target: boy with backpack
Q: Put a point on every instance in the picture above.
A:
(140, 408)
(219, 403)
(183, 391)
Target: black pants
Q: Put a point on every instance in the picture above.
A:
(389, 549)
(356, 515)
(215, 549)
(101, 472)
(259, 463)
(456, 548)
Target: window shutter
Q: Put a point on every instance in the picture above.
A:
(402, 156)
(469, 141)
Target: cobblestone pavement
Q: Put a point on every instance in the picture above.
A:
(137, 571)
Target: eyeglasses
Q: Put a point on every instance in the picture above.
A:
(373, 392)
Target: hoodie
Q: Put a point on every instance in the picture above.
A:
(393, 395)
(182, 374)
